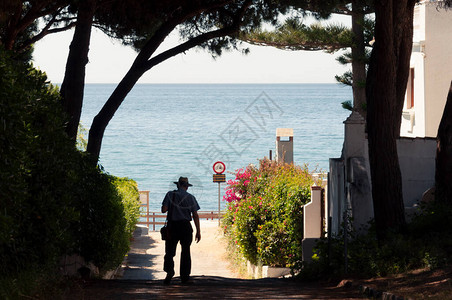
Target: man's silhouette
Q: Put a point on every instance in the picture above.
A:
(181, 207)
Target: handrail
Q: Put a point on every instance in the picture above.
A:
(152, 216)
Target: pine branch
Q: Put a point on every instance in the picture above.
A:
(200, 39)
(294, 35)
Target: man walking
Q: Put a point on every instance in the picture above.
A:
(181, 206)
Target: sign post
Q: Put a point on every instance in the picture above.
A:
(219, 168)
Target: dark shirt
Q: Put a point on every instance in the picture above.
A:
(182, 203)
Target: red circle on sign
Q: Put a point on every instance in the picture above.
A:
(219, 167)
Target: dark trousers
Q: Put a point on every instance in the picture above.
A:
(182, 232)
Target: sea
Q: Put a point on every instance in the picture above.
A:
(164, 131)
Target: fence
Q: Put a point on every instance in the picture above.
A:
(153, 218)
(158, 218)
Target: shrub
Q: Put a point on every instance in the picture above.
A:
(35, 157)
(265, 212)
(128, 190)
(100, 234)
(427, 243)
(54, 200)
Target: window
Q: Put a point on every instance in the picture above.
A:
(410, 90)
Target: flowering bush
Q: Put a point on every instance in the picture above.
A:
(264, 219)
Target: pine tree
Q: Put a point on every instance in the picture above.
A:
(294, 35)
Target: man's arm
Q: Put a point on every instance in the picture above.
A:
(198, 228)
(164, 208)
(165, 203)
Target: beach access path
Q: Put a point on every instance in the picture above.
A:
(141, 275)
(145, 258)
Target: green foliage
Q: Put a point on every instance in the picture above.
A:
(128, 190)
(294, 35)
(426, 244)
(345, 79)
(100, 234)
(136, 23)
(81, 140)
(35, 159)
(22, 23)
(42, 282)
(348, 105)
(53, 199)
(264, 218)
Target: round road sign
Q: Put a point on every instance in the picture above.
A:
(219, 167)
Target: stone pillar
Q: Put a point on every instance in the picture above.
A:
(354, 135)
(312, 222)
(357, 171)
(284, 145)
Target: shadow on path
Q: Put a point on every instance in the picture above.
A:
(210, 287)
(142, 276)
(145, 258)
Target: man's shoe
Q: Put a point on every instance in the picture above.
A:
(168, 278)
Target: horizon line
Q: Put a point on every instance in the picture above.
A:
(262, 83)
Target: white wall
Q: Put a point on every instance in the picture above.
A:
(438, 64)
(417, 165)
(349, 178)
(432, 63)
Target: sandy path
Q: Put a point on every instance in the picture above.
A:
(145, 259)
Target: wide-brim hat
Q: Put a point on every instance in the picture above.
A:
(183, 181)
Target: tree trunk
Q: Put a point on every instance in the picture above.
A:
(138, 68)
(73, 84)
(142, 64)
(358, 59)
(443, 173)
(101, 120)
(385, 88)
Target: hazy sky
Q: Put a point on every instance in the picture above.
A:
(109, 61)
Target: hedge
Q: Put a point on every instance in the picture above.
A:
(264, 220)
(54, 200)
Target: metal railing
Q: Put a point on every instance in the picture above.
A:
(157, 218)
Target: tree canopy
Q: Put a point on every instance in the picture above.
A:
(385, 84)
(294, 35)
(212, 25)
(19, 27)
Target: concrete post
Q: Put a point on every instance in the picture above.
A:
(312, 222)
(284, 148)
(357, 175)
(354, 135)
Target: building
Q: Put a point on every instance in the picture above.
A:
(430, 71)
(349, 182)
